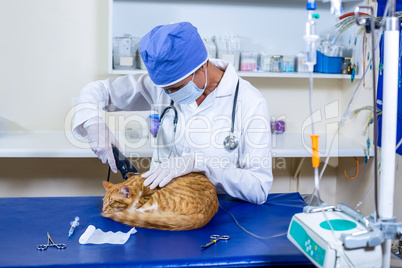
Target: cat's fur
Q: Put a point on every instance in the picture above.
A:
(187, 202)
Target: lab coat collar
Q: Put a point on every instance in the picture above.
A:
(225, 88)
(228, 83)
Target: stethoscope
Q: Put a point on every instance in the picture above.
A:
(161, 118)
(230, 142)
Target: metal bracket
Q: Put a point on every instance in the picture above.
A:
(368, 23)
(390, 228)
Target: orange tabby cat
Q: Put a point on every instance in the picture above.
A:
(187, 202)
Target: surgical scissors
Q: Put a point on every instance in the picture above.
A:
(50, 243)
(216, 238)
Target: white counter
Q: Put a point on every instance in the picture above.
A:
(61, 144)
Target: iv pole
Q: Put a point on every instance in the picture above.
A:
(389, 122)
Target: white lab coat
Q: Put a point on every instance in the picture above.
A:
(244, 173)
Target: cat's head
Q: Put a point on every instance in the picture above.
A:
(118, 197)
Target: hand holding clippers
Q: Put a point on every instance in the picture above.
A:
(123, 164)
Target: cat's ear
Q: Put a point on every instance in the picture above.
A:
(125, 191)
(107, 185)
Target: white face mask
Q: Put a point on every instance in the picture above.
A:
(189, 93)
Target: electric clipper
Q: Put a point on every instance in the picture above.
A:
(123, 164)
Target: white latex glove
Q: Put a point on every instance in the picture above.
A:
(168, 170)
(100, 140)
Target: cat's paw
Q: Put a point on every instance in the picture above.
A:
(106, 215)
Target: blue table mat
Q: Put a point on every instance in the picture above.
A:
(24, 223)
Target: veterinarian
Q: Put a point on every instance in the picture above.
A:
(203, 93)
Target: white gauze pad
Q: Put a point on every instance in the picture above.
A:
(97, 236)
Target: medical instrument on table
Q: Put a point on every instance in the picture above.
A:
(73, 224)
(231, 142)
(123, 164)
(50, 243)
(215, 239)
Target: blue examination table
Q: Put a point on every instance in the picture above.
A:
(24, 223)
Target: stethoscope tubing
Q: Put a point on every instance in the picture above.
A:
(234, 107)
(230, 141)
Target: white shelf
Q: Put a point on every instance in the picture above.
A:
(264, 74)
(285, 38)
(56, 144)
(296, 75)
(298, 145)
(62, 145)
(39, 144)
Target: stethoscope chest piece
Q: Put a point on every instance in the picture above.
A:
(231, 142)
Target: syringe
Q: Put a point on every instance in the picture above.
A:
(73, 224)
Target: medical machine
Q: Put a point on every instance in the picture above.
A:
(339, 236)
(336, 236)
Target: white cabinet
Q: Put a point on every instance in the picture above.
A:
(275, 27)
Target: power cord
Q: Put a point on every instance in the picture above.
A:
(247, 231)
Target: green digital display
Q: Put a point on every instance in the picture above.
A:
(307, 244)
(338, 225)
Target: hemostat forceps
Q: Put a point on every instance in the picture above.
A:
(50, 243)
(216, 238)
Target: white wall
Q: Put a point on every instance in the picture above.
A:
(49, 50)
(214, 18)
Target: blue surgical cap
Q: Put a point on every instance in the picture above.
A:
(172, 52)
